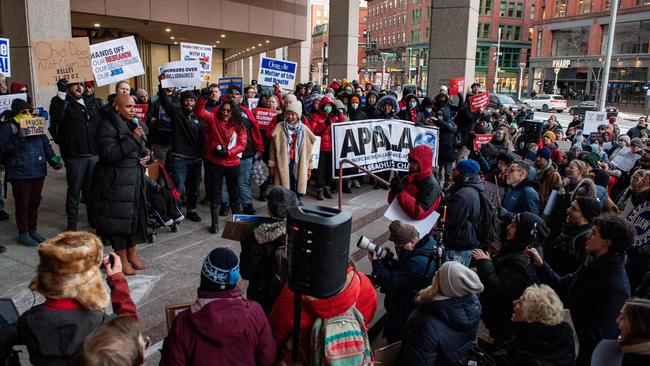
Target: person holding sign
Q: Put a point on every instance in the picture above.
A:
(26, 152)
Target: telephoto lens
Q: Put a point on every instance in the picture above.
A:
(365, 243)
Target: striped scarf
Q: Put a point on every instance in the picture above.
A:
(290, 129)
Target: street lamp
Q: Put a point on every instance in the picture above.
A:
(557, 71)
(498, 54)
(522, 66)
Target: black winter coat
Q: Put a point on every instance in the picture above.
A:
(76, 125)
(371, 111)
(447, 148)
(536, 344)
(440, 332)
(566, 253)
(463, 210)
(188, 132)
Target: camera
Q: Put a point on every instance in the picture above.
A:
(367, 244)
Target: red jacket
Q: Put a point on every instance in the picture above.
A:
(221, 328)
(218, 132)
(320, 128)
(360, 293)
(420, 195)
(256, 134)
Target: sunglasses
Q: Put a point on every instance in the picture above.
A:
(235, 92)
(226, 111)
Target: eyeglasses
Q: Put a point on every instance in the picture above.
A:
(234, 92)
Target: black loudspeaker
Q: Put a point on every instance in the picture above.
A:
(318, 240)
(532, 130)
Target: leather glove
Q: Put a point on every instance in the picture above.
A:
(220, 151)
(55, 162)
(328, 122)
(205, 92)
(62, 85)
(396, 185)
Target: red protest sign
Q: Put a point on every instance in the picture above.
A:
(481, 140)
(456, 86)
(141, 110)
(477, 102)
(264, 116)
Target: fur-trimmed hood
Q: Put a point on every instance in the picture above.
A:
(270, 231)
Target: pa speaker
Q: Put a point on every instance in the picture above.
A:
(318, 244)
(532, 130)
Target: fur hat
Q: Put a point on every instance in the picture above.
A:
(296, 108)
(69, 269)
(279, 199)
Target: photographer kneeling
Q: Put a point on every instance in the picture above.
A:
(401, 279)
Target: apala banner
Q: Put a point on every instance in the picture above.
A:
(115, 60)
(379, 145)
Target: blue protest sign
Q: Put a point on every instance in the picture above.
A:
(279, 72)
(225, 82)
(5, 59)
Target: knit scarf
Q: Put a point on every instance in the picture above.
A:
(299, 129)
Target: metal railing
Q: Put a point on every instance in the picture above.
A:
(343, 161)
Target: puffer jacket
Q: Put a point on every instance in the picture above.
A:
(25, 157)
(463, 210)
(536, 344)
(441, 332)
(371, 111)
(219, 133)
(394, 114)
(319, 124)
(522, 198)
(420, 195)
(77, 124)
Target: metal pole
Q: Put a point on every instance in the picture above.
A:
(521, 79)
(608, 57)
(557, 72)
(496, 72)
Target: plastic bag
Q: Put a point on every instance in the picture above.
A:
(259, 173)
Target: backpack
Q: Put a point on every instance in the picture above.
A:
(341, 340)
(488, 225)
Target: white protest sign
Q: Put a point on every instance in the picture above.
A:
(5, 58)
(201, 53)
(315, 153)
(395, 212)
(115, 60)
(279, 72)
(252, 103)
(593, 120)
(550, 204)
(181, 74)
(6, 99)
(625, 159)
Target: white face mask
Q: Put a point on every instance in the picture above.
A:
(413, 104)
(355, 105)
(429, 110)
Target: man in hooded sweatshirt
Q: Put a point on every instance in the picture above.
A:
(221, 327)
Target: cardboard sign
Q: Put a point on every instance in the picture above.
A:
(456, 86)
(477, 102)
(181, 73)
(141, 110)
(201, 53)
(225, 82)
(33, 126)
(116, 60)
(264, 116)
(252, 103)
(563, 145)
(593, 120)
(58, 59)
(6, 99)
(625, 159)
(279, 72)
(5, 58)
(481, 140)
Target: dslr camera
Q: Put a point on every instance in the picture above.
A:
(367, 244)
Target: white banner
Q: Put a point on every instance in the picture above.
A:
(379, 145)
(201, 53)
(6, 99)
(593, 120)
(181, 74)
(115, 60)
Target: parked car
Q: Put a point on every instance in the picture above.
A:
(547, 102)
(590, 105)
(500, 101)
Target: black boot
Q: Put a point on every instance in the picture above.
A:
(248, 209)
(327, 192)
(223, 211)
(346, 186)
(214, 227)
(320, 194)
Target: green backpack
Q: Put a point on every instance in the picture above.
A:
(341, 340)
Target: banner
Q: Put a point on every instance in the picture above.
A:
(252, 103)
(593, 120)
(279, 72)
(482, 139)
(264, 116)
(5, 58)
(115, 60)
(141, 110)
(33, 126)
(201, 53)
(379, 145)
(640, 218)
(6, 99)
(181, 74)
(225, 82)
(57, 59)
(456, 86)
(477, 102)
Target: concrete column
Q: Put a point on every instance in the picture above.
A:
(455, 23)
(343, 49)
(22, 21)
(256, 64)
(247, 70)
(299, 53)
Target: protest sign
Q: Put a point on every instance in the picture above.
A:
(264, 116)
(625, 159)
(494, 193)
(141, 110)
(482, 139)
(201, 53)
(33, 126)
(115, 60)
(308, 102)
(395, 212)
(477, 102)
(379, 145)
(6, 99)
(456, 86)
(640, 218)
(181, 74)
(252, 103)
(5, 57)
(593, 120)
(595, 136)
(225, 82)
(315, 153)
(279, 72)
(58, 59)
(563, 145)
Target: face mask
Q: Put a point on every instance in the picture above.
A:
(355, 105)
(413, 104)
(327, 109)
(20, 117)
(429, 110)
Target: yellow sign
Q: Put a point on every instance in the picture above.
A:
(33, 126)
(62, 59)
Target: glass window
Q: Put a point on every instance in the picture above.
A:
(508, 35)
(488, 7)
(511, 10)
(504, 5)
(630, 37)
(643, 2)
(509, 57)
(570, 42)
(482, 56)
(584, 6)
(520, 10)
(560, 8)
(532, 11)
(538, 51)
(517, 34)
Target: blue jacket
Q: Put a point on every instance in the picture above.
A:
(401, 282)
(440, 332)
(522, 198)
(463, 211)
(24, 157)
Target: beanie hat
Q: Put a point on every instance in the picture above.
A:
(544, 152)
(625, 138)
(69, 269)
(468, 167)
(18, 105)
(296, 108)
(339, 104)
(531, 230)
(590, 207)
(634, 142)
(612, 119)
(590, 158)
(401, 233)
(220, 270)
(187, 94)
(550, 135)
(355, 99)
(456, 280)
(88, 84)
(279, 199)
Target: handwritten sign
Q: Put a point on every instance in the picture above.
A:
(5, 59)
(201, 53)
(481, 139)
(33, 126)
(456, 86)
(5, 100)
(115, 60)
(264, 116)
(141, 110)
(181, 73)
(62, 59)
(593, 120)
(477, 102)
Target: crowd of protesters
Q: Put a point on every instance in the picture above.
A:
(552, 261)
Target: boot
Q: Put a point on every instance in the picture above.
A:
(248, 209)
(328, 193)
(126, 266)
(346, 186)
(132, 255)
(214, 227)
(320, 194)
(262, 194)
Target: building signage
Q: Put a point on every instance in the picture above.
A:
(561, 64)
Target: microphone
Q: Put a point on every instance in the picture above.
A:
(135, 123)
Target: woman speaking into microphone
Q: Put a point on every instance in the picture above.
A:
(119, 209)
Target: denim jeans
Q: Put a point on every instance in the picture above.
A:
(186, 175)
(244, 183)
(463, 257)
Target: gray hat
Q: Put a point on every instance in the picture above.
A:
(636, 142)
(456, 280)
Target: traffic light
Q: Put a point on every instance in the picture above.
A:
(325, 69)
